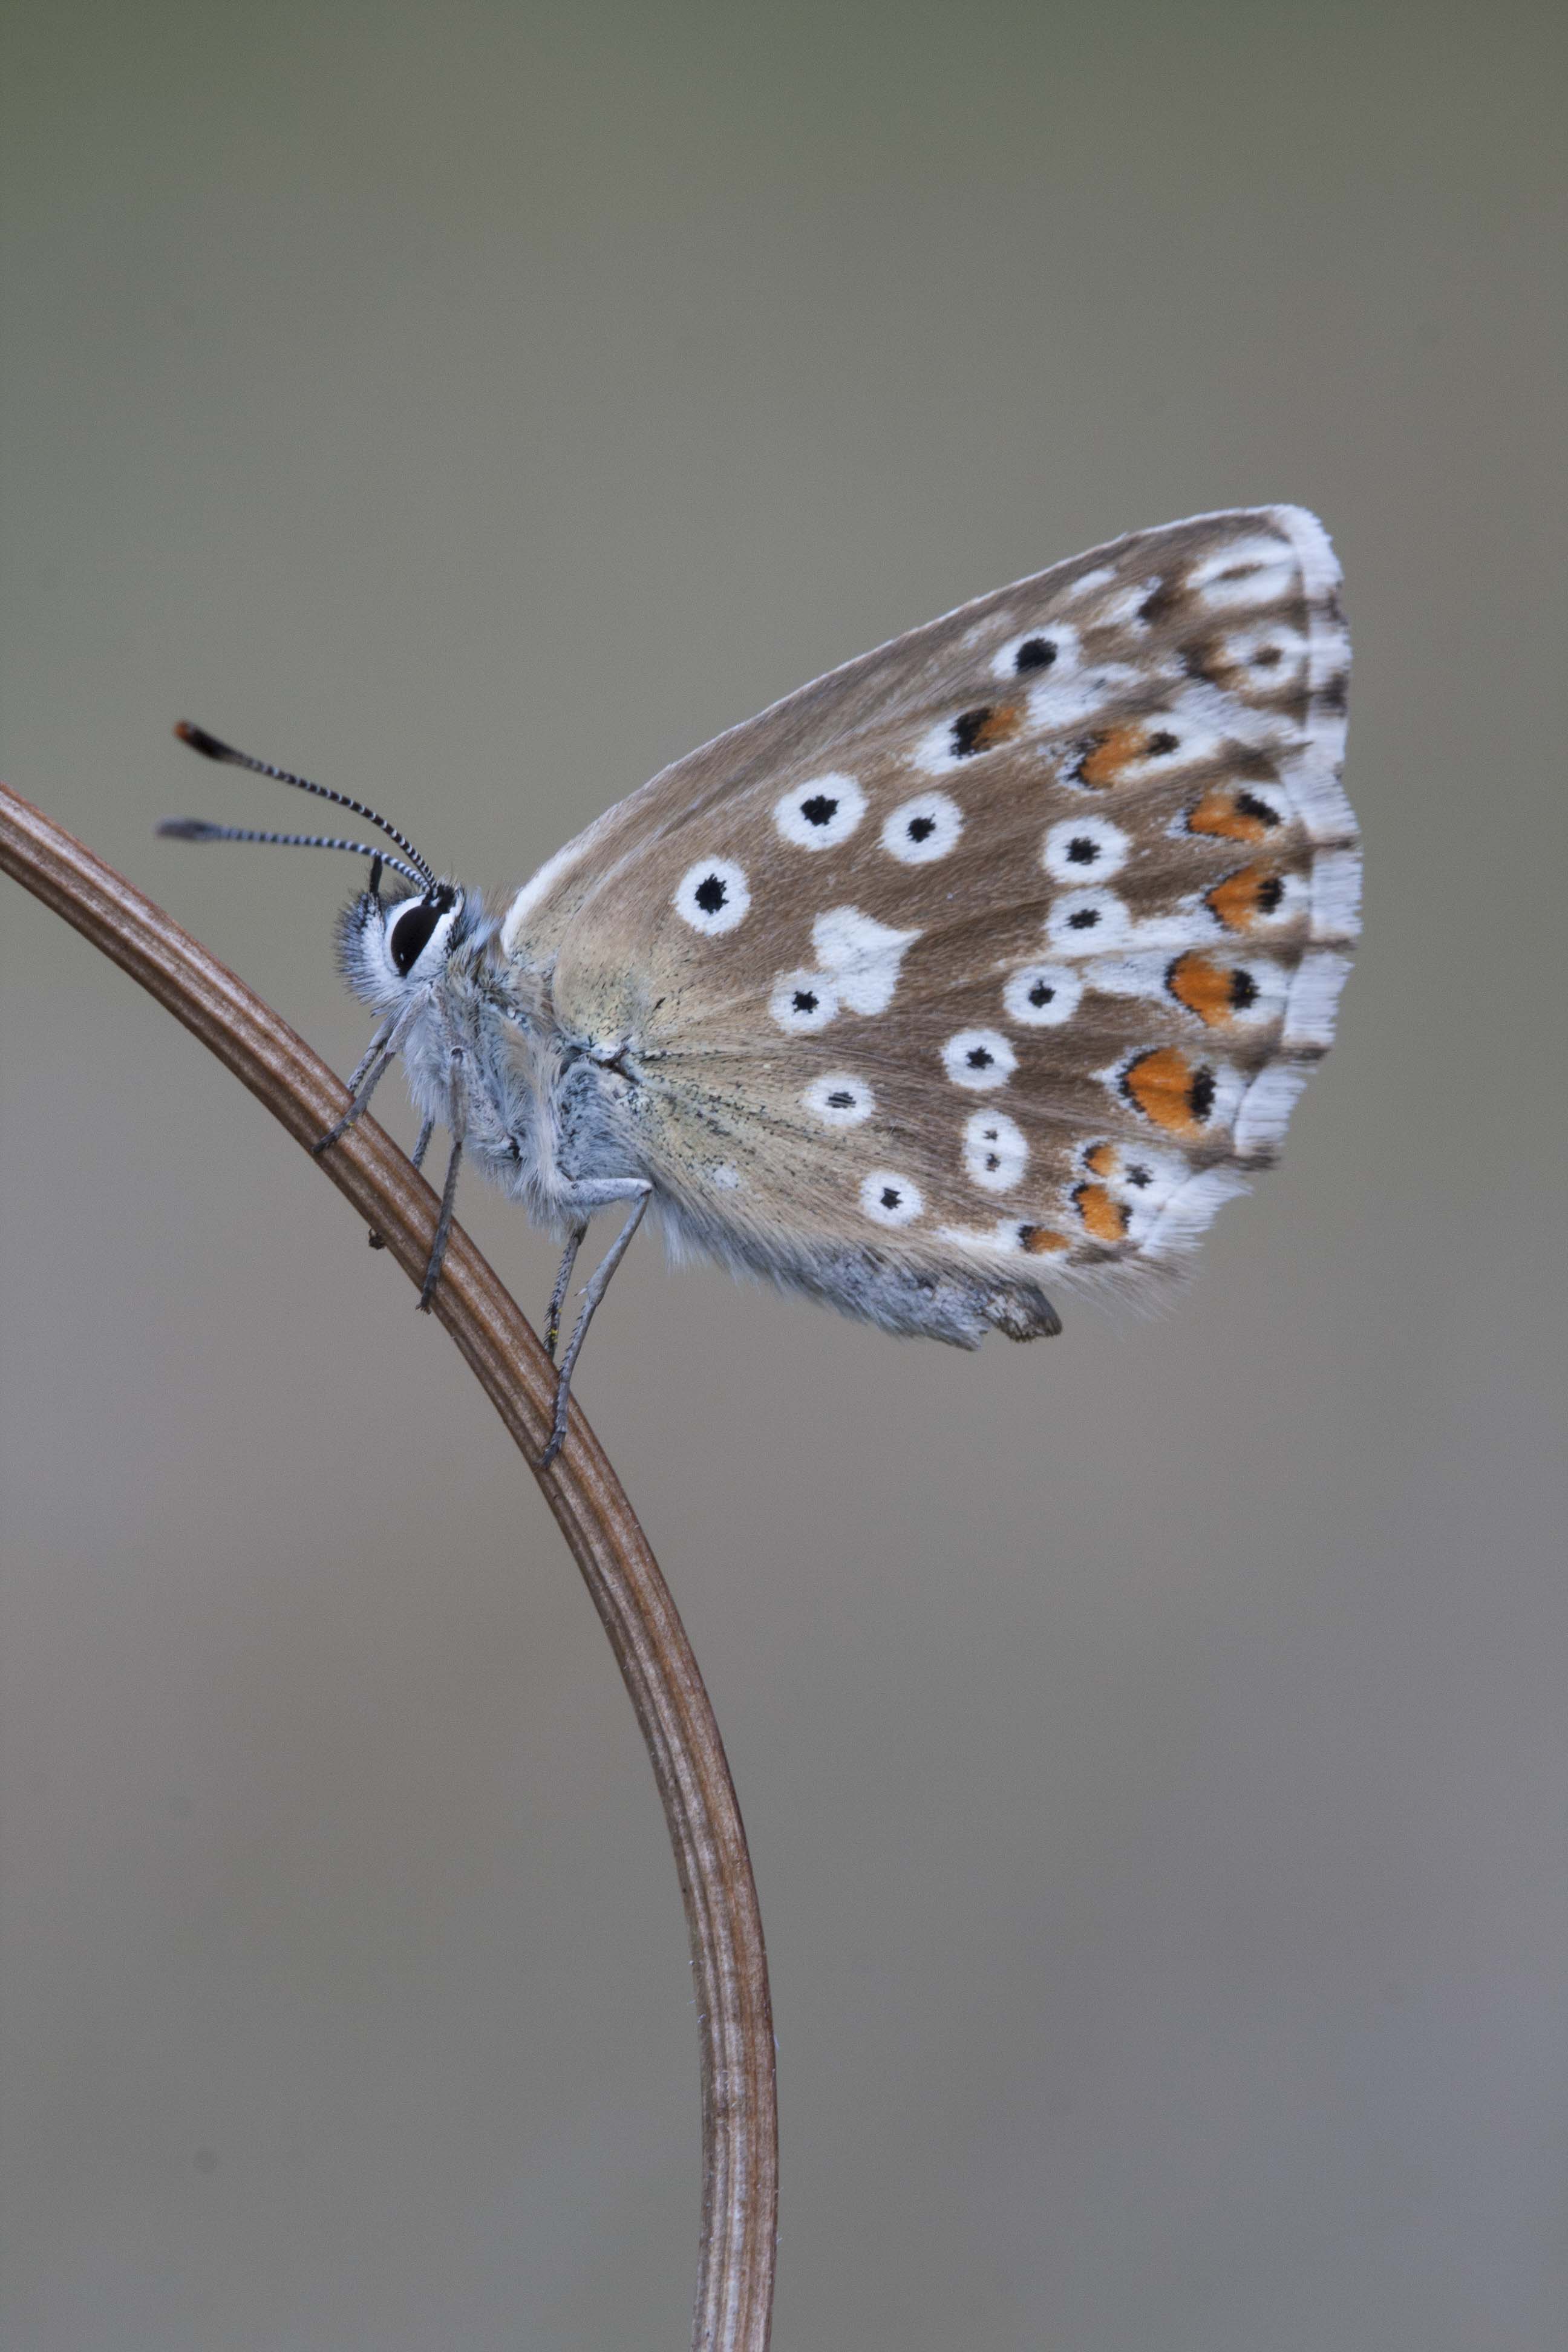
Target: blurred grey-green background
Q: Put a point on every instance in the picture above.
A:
(1152, 1743)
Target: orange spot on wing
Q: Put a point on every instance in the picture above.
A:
(1204, 986)
(999, 726)
(1102, 767)
(1242, 898)
(1171, 1091)
(1220, 814)
(1100, 1159)
(1038, 1241)
(1106, 1219)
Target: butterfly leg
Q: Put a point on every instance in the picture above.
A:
(638, 1191)
(369, 1072)
(558, 1295)
(370, 1054)
(449, 1189)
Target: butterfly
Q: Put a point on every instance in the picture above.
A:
(995, 959)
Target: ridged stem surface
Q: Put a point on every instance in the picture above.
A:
(740, 2132)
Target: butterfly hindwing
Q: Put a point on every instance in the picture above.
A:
(1003, 950)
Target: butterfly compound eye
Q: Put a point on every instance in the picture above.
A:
(410, 933)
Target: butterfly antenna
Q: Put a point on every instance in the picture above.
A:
(211, 749)
(196, 829)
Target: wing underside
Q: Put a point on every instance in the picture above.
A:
(1003, 952)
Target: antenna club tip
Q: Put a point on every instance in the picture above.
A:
(200, 740)
(184, 828)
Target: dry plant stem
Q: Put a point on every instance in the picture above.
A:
(735, 2276)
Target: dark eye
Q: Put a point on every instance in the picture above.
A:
(410, 934)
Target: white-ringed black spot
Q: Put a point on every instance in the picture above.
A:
(821, 813)
(802, 1003)
(1083, 922)
(1042, 995)
(979, 1059)
(1139, 1178)
(918, 832)
(1077, 845)
(888, 1198)
(1261, 812)
(1161, 744)
(1039, 659)
(712, 897)
(840, 1100)
(1243, 990)
(995, 1151)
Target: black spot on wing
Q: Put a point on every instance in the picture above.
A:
(1035, 653)
(969, 732)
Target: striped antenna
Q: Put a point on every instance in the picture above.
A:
(211, 749)
(196, 829)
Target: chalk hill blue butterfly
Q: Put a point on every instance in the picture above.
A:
(995, 958)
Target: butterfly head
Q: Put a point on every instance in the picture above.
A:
(389, 948)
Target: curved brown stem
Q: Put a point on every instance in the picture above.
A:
(739, 2135)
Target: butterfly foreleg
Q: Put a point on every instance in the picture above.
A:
(599, 1194)
(369, 1072)
(372, 1053)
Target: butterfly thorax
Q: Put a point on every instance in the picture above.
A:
(541, 1110)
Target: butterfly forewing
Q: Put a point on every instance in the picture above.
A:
(1001, 950)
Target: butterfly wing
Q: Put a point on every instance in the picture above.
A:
(1003, 950)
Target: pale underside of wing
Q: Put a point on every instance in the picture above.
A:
(1002, 951)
